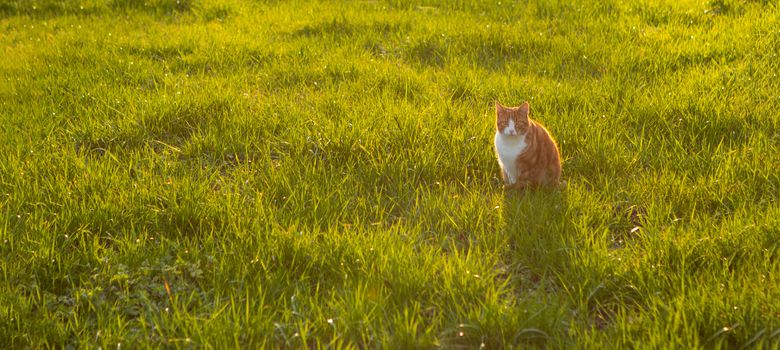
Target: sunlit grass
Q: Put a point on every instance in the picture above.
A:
(295, 174)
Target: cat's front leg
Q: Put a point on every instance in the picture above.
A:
(509, 181)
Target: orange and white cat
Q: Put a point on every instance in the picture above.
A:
(526, 151)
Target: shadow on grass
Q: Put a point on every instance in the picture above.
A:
(536, 227)
(536, 223)
(557, 247)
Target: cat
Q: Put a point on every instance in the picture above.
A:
(526, 151)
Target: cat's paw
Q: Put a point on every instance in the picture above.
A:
(515, 186)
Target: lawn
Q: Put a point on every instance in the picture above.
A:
(288, 174)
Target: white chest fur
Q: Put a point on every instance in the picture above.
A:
(508, 148)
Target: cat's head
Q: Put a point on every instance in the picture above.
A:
(512, 121)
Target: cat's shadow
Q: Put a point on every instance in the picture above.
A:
(538, 227)
(539, 224)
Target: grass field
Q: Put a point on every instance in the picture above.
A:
(287, 174)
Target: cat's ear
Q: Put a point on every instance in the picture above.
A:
(524, 110)
(499, 107)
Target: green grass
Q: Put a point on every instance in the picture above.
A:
(288, 174)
